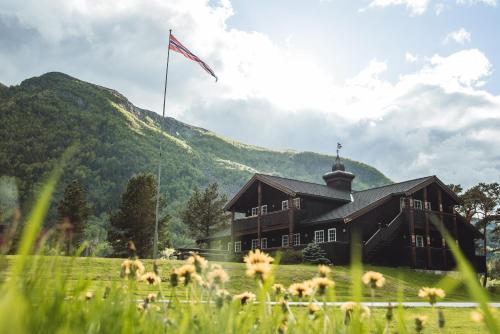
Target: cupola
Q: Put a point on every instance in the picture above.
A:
(338, 178)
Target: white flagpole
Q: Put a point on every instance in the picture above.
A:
(155, 242)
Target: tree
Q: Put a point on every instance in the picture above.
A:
(73, 212)
(313, 253)
(135, 218)
(204, 211)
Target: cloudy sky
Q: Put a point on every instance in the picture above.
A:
(408, 86)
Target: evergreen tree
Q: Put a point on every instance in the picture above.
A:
(135, 218)
(205, 210)
(73, 212)
(313, 253)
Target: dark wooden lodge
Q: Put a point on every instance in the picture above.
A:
(394, 222)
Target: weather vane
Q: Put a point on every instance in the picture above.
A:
(339, 146)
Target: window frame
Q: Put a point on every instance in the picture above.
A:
(333, 229)
(285, 205)
(283, 237)
(427, 205)
(319, 232)
(229, 246)
(296, 202)
(421, 238)
(263, 243)
(262, 211)
(256, 242)
(255, 211)
(296, 237)
(237, 246)
(417, 204)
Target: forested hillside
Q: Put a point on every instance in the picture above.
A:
(44, 115)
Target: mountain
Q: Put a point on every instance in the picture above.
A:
(43, 116)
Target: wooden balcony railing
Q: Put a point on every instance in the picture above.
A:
(268, 221)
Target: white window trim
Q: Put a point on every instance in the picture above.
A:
(402, 203)
(229, 246)
(255, 243)
(255, 211)
(263, 209)
(296, 239)
(417, 238)
(284, 205)
(335, 234)
(296, 202)
(283, 242)
(427, 206)
(263, 243)
(319, 232)
(237, 246)
(417, 204)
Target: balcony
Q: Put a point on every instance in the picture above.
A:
(270, 221)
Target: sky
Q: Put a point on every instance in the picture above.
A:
(410, 87)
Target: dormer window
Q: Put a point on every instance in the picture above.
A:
(284, 205)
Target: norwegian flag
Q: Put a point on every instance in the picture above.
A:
(177, 46)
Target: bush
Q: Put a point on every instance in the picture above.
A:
(313, 253)
(291, 256)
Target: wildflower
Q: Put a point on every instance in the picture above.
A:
(151, 278)
(142, 306)
(432, 294)
(186, 272)
(284, 306)
(245, 297)
(199, 262)
(217, 276)
(257, 256)
(129, 268)
(300, 289)
(477, 316)
(221, 296)
(373, 279)
(278, 289)
(174, 277)
(313, 308)
(350, 307)
(324, 271)
(420, 322)
(320, 284)
(259, 271)
(199, 280)
(89, 295)
(152, 297)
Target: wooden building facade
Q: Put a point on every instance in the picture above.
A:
(396, 223)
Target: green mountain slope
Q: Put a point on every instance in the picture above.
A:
(44, 115)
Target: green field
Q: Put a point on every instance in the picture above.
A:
(101, 272)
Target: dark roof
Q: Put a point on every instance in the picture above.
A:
(365, 198)
(307, 188)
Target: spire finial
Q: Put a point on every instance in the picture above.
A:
(339, 146)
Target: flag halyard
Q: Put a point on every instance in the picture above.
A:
(177, 46)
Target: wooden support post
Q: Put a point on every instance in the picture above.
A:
(440, 215)
(232, 231)
(427, 233)
(412, 237)
(259, 204)
(455, 227)
(291, 211)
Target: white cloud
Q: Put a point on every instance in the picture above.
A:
(410, 58)
(492, 3)
(460, 36)
(416, 7)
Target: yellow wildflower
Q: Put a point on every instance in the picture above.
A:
(152, 297)
(199, 262)
(186, 272)
(89, 295)
(313, 308)
(373, 279)
(349, 307)
(324, 271)
(217, 276)
(129, 268)
(257, 256)
(432, 294)
(420, 322)
(151, 278)
(320, 284)
(259, 271)
(245, 297)
(300, 289)
(278, 289)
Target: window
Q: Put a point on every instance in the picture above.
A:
(263, 209)
(263, 243)
(319, 236)
(255, 243)
(255, 211)
(418, 204)
(427, 206)
(332, 234)
(284, 240)
(296, 203)
(420, 241)
(402, 203)
(237, 246)
(296, 239)
(284, 205)
(228, 246)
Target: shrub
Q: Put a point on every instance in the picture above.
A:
(291, 256)
(313, 253)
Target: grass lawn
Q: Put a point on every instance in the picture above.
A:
(101, 272)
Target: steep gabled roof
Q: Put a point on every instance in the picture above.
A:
(367, 199)
(293, 188)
